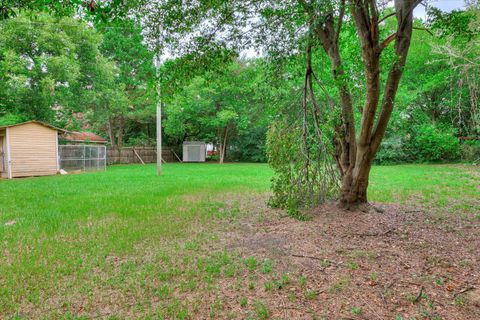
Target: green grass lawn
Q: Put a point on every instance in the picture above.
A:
(129, 242)
(449, 187)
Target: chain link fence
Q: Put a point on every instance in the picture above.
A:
(82, 157)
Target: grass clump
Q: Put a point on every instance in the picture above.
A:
(267, 266)
(251, 263)
(302, 281)
(340, 284)
(261, 310)
(357, 311)
(269, 285)
(311, 294)
(243, 302)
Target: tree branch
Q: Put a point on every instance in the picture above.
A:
(388, 40)
(386, 17)
(340, 20)
(408, 13)
(423, 29)
(366, 18)
(402, 37)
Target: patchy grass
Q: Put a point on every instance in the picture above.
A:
(126, 243)
(120, 242)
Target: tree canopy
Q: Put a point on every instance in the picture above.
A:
(50, 66)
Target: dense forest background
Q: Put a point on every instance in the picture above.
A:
(101, 78)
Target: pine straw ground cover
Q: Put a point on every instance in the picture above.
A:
(200, 243)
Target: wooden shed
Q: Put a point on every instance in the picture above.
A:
(28, 149)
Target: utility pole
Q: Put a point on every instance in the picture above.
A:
(159, 105)
(159, 119)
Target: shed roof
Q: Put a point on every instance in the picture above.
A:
(75, 136)
(33, 121)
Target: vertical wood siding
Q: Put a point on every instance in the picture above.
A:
(3, 154)
(33, 150)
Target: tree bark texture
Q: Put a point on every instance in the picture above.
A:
(355, 153)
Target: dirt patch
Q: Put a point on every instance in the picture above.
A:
(400, 263)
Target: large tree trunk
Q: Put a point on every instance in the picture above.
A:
(354, 189)
(355, 183)
(355, 155)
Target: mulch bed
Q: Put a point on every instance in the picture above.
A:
(399, 263)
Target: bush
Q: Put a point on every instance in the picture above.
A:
(423, 143)
(432, 143)
(470, 151)
(391, 151)
(249, 146)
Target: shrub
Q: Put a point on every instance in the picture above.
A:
(249, 146)
(470, 151)
(432, 143)
(425, 143)
(391, 151)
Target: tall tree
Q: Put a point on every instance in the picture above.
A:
(280, 27)
(123, 44)
(355, 155)
(41, 73)
(52, 70)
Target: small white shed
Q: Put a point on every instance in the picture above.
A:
(194, 151)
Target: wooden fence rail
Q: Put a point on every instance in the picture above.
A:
(138, 155)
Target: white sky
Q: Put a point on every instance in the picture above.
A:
(444, 5)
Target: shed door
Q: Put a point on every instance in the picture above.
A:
(2, 154)
(194, 153)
